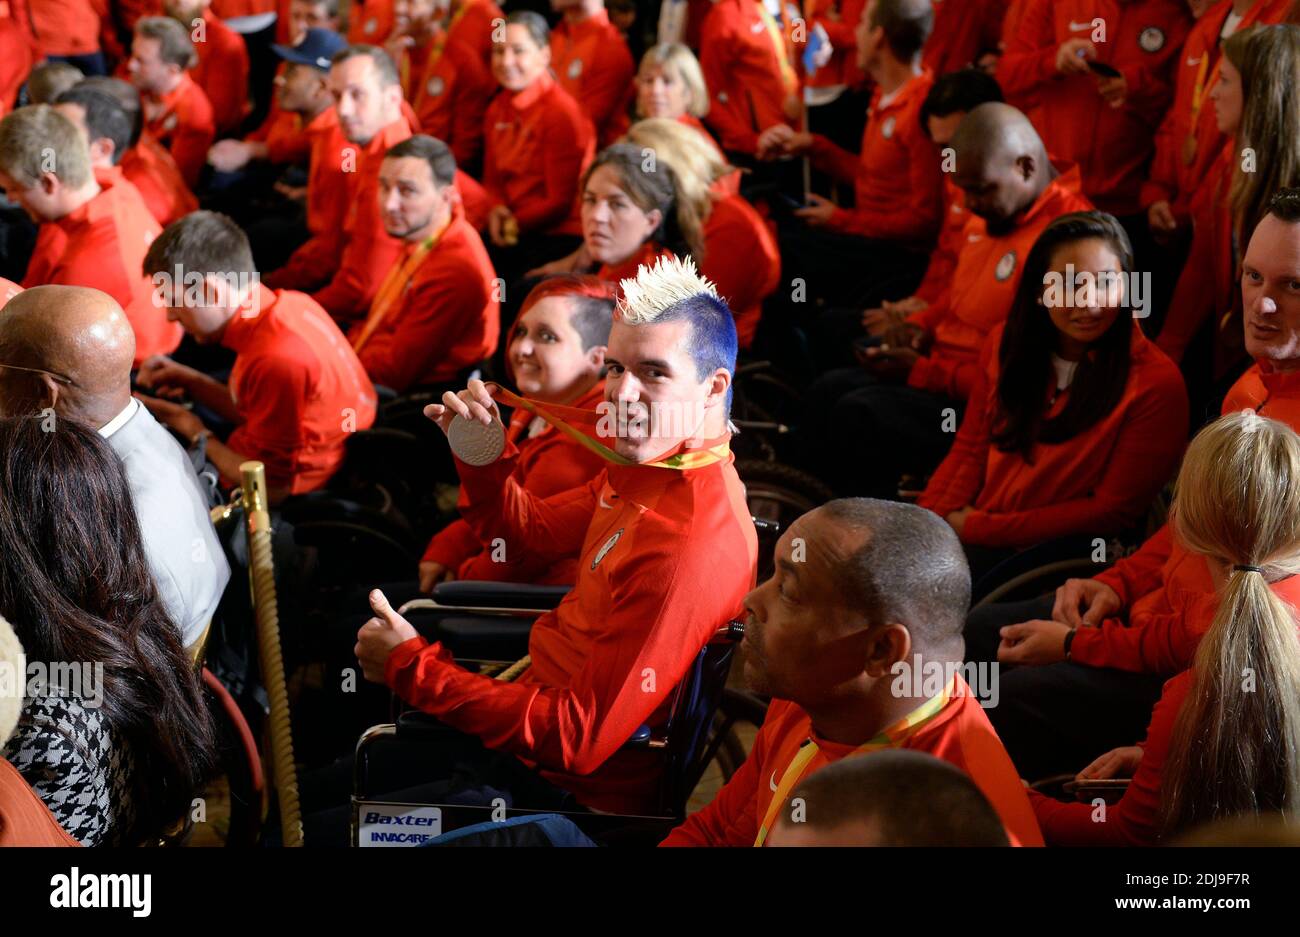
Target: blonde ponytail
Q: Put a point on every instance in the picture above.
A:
(1236, 743)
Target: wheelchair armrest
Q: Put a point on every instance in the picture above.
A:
(417, 725)
(473, 593)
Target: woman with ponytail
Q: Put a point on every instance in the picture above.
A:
(631, 215)
(740, 254)
(1224, 739)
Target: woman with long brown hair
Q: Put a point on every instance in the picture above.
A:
(1224, 739)
(1257, 105)
(119, 744)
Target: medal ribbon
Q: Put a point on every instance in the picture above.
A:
(394, 287)
(568, 420)
(889, 737)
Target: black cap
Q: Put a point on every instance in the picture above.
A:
(317, 49)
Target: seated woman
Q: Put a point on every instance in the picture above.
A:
(670, 85)
(1077, 419)
(740, 254)
(630, 216)
(118, 740)
(557, 355)
(24, 818)
(537, 142)
(1224, 735)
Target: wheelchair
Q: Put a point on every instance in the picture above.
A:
(487, 624)
(684, 744)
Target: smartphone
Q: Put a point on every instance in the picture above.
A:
(1102, 69)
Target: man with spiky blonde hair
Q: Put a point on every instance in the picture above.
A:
(666, 554)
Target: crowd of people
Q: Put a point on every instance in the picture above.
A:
(1018, 270)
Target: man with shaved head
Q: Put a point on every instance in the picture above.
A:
(65, 354)
(857, 639)
(891, 410)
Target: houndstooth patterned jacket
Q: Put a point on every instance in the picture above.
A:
(71, 758)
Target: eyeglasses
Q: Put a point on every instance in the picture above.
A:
(60, 378)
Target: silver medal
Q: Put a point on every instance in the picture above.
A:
(476, 444)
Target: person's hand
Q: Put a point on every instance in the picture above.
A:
(230, 155)
(397, 46)
(879, 320)
(165, 377)
(1114, 91)
(498, 220)
(817, 213)
(1033, 642)
(294, 193)
(1160, 217)
(1116, 763)
(378, 637)
(432, 573)
(781, 140)
(889, 363)
(174, 416)
(772, 141)
(907, 335)
(957, 519)
(1072, 56)
(1096, 600)
(473, 403)
(578, 260)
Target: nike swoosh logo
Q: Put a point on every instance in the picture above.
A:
(603, 504)
(757, 27)
(771, 782)
(1079, 27)
(1192, 63)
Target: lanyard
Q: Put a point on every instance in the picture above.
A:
(886, 738)
(394, 287)
(788, 76)
(435, 55)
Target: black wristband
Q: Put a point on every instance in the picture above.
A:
(1069, 639)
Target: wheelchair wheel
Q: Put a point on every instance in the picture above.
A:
(781, 493)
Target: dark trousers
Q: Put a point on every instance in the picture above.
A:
(844, 269)
(861, 434)
(1057, 718)
(841, 121)
(446, 767)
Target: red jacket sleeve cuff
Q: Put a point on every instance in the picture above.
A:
(975, 530)
(1089, 644)
(401, 658)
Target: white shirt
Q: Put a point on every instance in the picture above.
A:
(1064, 371)
(115, 424)
(1230, 24)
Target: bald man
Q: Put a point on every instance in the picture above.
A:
(870, 424)
(66, 353)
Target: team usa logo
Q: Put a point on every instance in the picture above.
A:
(887, 128)
(1152, 39)
(575, 69)
(1006, 266)
(609, 545)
